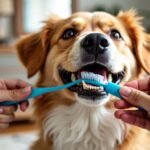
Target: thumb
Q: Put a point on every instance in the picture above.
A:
(14, 95)
(136, 97)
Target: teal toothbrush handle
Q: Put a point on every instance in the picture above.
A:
(109, 87)
(40, 91)
(35, 92)
(114, 89)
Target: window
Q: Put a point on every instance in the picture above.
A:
(35, 11)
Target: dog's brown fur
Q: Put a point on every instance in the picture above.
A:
(46, 50)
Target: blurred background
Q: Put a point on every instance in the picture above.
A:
(20, 17)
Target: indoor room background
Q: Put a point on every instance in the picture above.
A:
(21, 17)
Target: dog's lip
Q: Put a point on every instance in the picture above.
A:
(96, 68)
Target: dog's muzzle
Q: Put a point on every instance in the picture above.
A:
(95, 53)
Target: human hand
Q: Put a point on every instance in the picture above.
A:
(12, 90)
(135, 93)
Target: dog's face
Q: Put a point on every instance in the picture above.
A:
(96, 46)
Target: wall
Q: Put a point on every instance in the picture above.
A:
(11, 67)
(126, 4)
(36, 11)
(142, 6)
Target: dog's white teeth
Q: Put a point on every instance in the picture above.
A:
(73, 78)
(94, 77)
(91, 87)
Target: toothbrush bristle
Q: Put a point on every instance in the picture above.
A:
(93, 78)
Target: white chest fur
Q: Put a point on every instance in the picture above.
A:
(78, 127)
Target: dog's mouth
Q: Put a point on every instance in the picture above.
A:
(92, 72)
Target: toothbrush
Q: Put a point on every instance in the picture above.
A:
(109, 87)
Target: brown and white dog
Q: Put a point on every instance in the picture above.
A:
(93, 45)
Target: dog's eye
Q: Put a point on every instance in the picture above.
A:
(69, 33)
(115, 34)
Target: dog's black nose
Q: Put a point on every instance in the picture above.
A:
(95, 43)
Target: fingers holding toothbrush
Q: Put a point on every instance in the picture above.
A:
(12, 90)
(135, 93)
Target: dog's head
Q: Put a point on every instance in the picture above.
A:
(96, 45)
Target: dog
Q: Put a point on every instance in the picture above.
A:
(95, 45)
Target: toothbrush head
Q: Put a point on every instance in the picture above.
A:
(94, 82)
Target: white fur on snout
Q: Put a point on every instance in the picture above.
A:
(91, 102)
(75, 54)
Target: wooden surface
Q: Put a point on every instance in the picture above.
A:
(6, 48)
(21, 126)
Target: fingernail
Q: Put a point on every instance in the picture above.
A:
(125, 92)
(26, 90)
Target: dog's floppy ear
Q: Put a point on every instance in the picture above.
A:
(140, 39)
(33, 48)
(31, 53)
(143, 53)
